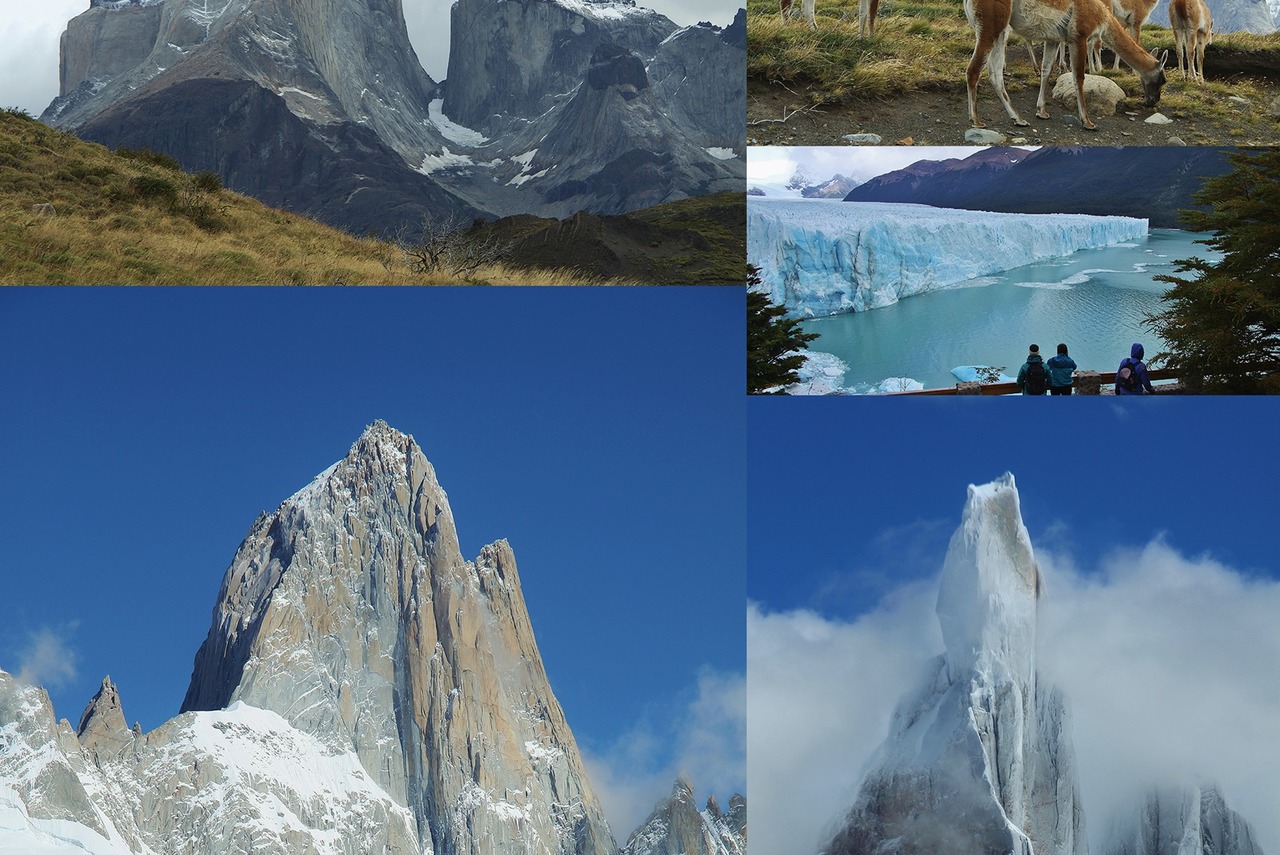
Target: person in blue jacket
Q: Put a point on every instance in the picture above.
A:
(1033, 377)
(1061, 368)
(1131, 376)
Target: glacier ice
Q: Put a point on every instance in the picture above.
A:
(824, 257)
(979, 758)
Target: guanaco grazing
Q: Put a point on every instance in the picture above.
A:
(1192, 30)
(1071, 21)
(866, 15)
(1133, 14)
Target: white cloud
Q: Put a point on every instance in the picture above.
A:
(48, 660)
(820, 696)
(701, 736)
(1168, 662)
(29, 52)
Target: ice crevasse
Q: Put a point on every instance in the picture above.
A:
(822, 258)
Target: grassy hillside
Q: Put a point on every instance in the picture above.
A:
(76, 213)
(700, 240)
(925, 45)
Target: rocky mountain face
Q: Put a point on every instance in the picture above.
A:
(321, 106)
(362, 688)
(979, 760)
(511, 60)
(354, 596)
(639, 158)
(1189, 821)
(1229, 16)
(677, 826)
(979, 757)
(836, 187)
(688, 75)
(1056, 180)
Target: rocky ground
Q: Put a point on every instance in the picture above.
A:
(1241, 107)
(941, 118)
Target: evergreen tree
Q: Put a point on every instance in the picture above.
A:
(775, 345)
(1223, 323)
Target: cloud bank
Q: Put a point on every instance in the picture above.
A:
(1167, 661)
(701, 735)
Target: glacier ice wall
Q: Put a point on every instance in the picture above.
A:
(979, 759)
(820, 257)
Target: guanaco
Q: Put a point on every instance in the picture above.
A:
(1192, 30)
(1071, 21)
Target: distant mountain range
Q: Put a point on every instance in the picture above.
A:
(1155, 183)
(551, 107)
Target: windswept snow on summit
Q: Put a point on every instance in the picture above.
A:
(822, 257)
(979, 759)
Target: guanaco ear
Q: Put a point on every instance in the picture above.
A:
(1164, 56)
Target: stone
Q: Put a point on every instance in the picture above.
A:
(1158, 119)
(979, 757)
(102, 729)
(1236, 99)
(1274, 108)
(863, 139)
(676, 825)
(354, 595)
(1192, 820)
(1101, 94)
(1177, 141)
(982, 136)
(692, 79)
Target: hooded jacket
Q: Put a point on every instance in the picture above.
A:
(1134, 359)
(1060, 368)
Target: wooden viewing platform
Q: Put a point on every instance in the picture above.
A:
(1086, 383)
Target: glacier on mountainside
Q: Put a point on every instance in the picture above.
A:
(823, 257)
(979, 759)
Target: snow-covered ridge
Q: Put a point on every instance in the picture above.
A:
(822, 257)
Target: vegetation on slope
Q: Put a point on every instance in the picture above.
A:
(76, 213)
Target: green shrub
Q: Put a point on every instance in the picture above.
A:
(150, 187)
(146, 155)
(207, 182)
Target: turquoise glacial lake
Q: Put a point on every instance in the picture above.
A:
(1094, 300)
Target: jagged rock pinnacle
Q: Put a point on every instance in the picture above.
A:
(979, 758)
(102, 729)
(351, 613)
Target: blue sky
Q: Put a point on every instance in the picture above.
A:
(859, 497)
(1153, 523)
(600, 431)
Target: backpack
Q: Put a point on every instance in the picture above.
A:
(1037, 379)
(1127, 377)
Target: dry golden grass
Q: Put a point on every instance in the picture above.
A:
(103, 230)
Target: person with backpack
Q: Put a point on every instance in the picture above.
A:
(1131, 376)
(1033, 377)
(1061, 372)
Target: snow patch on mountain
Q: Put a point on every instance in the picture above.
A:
(452, 130)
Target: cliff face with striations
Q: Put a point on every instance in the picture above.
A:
(351, 613)
(362, 688)
(979, 760)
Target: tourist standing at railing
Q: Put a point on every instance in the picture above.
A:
(1061, 372)
(1033, 377)
(1131, 376)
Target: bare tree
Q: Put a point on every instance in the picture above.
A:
(449, 244)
